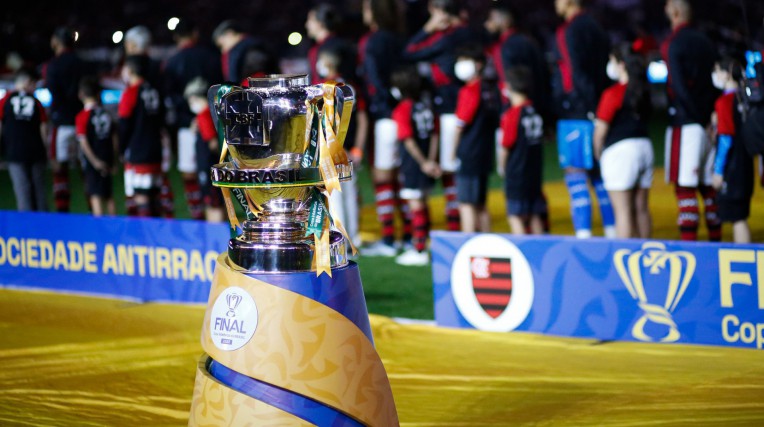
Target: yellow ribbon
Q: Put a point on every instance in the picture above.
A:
(341, 229)
(328, 142)
(232, 219)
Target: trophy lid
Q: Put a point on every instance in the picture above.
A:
(279, 80)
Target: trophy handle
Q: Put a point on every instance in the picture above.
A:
(344, 99)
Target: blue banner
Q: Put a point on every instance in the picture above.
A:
(138, 259)
(651, 291)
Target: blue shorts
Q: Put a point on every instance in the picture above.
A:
(526, 207)
(471, 189)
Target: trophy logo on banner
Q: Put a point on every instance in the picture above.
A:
(657, 279)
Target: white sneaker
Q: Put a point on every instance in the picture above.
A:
(412, 257)
(379, 248)
(407, 246)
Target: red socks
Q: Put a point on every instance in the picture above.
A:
(452, 206)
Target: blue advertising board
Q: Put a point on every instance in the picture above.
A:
(138, 259)
(651, 291)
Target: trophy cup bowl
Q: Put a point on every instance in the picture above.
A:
(267, 132)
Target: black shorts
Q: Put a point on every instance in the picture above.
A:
(412, 178)
(97, 184)
(733, 210)
(472, 189)
(526, 207)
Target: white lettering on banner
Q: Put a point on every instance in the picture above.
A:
(121, 260)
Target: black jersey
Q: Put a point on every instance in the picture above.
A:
(232, 62)
(514, 49)
(522, 130)
(624, 119)
(738, 164)
(191, 61)
(439, 50)
(477, 113)
(690, 57)
(62, 76)
(583, 48)
(378, 55)
(140, 124)
(416, 120)
(96, 126)
(21, 115)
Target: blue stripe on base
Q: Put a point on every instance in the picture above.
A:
(293, 403)
(342, 292)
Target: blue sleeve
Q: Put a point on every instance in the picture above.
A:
(724, 143)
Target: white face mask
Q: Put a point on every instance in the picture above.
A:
(196, 107)
(125, 76)
(719, 79)
(396, 93)
(612, 71)
(465, 70)
(321, 69)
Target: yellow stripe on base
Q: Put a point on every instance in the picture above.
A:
(307, 348)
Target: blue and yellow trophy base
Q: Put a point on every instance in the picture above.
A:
(307, 359)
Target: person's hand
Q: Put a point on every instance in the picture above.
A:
(56, 166)
(356, 156)
(438, 21)
(500, 171)
(431, 168)
(213, 146)
(717, 181)
(101, 166)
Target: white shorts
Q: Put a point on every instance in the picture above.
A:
(628, 164)
(411, 194)
(386, 155)
(448, 124)
(64, 143)
(689, 156)
(186, 150)
(140, 181)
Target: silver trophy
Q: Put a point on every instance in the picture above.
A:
(279, 134)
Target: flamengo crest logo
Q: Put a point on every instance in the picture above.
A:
(492, 283)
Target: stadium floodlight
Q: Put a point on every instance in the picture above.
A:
(295, 38)
(117, 37)
(172, 23)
